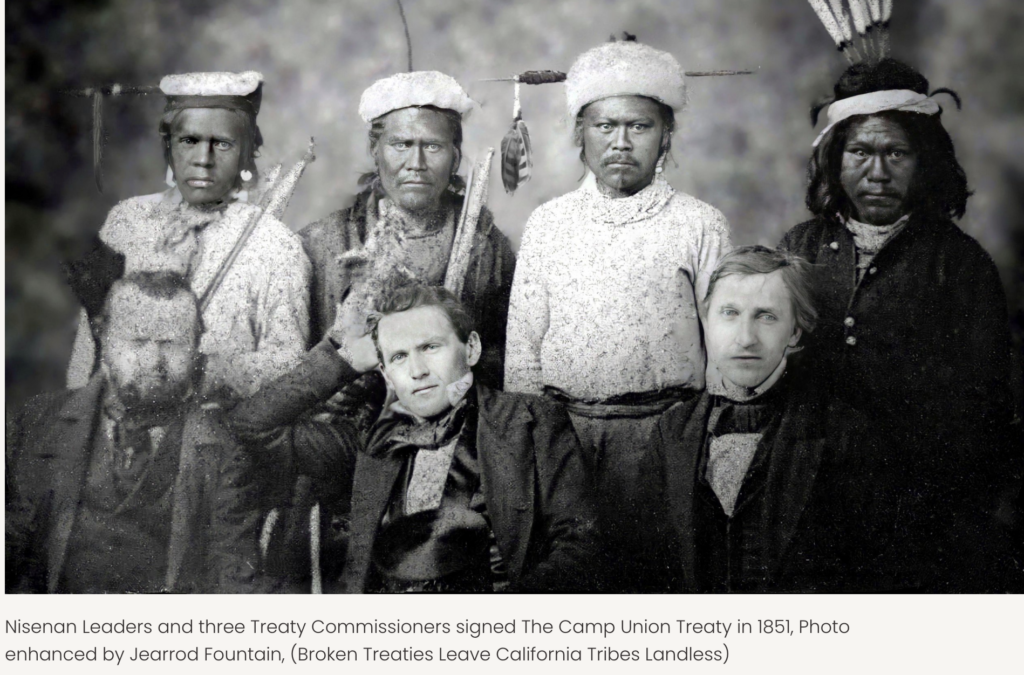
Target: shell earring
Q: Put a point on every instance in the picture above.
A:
(659, 167)
(170, 178)
(245, 175)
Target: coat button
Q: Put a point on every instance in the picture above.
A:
(834, 246)
(851, 341)
(873, 270)
(848, 322)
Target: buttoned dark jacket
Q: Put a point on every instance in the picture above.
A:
(921, 345)
(213, 544)
(824, 524)
(535, 486)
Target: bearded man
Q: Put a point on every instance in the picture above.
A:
(128, 485)
(604, 304)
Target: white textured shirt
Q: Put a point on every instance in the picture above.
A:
(604, 300)
(259, 316)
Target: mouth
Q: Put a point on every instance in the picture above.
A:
(880, 196)
(424, 390)
(620, 162)
(199, 183)
(746, 358)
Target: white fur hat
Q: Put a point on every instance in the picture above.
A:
(623, 69)
(424, 87)
(211, 84)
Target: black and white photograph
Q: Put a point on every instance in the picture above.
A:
(514, 296)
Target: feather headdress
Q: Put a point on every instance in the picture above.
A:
(860, 28)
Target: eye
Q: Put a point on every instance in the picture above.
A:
(857, 152)
(603, 126)
(640, 126)
(400, 145)
(223, 145)
(431, 347)
(187, 140)
(768, 318)
(433, 147)
(728, 311)
(397, 358)
(899, 154)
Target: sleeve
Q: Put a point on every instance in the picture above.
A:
(281, 325)
(565, 509)
(714, 243)
(285, 426)
(527, 315)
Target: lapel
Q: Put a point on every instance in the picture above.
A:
(70, 443)
(504, 444)
(796, 454)
(371, 488)
(682, 430)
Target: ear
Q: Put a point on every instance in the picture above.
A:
(456, 161)
(380, 367)
(797, 334)
(473, 349)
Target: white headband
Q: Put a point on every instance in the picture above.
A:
(903, 100)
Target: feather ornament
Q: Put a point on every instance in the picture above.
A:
(97, 139)
(828, 20)
(516, 153)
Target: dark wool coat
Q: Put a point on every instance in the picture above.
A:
(213, 544)
(824, 526)
(921, 345)
(485, 294)
(535, 486)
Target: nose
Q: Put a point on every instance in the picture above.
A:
(417, 160)
(418, 366)
(620, 141)
(878, 170)
(202, 154)
(746, 335)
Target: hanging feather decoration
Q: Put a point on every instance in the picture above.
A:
(886, 15)
(516, 154)
(830, 23)
(846, 27)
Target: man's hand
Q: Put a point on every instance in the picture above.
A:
(349, 331)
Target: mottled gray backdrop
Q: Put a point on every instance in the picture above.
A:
(741, 146)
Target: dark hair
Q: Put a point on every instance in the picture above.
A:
(796, 275)
(668, 120)
(940, 184)
(250, 142)
(413, 295)
(454, 121)
(155, 285)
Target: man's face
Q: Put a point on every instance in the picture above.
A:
(878, 169)
(416, 157)
(622, 140)
(205, 153)
(749, 324)
(422, 356)
(149, 348)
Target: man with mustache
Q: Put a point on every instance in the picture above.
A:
(256, 323)
(914, 328)
(127, 485)
(761, 483)
(604, 304)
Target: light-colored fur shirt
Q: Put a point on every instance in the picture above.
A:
(604, 300)
(258, 318)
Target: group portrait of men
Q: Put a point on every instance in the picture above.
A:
(631, 402)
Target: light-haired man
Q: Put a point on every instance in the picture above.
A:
(766, 486)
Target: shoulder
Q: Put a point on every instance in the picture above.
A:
(127, 215)
(335, 226)
(957, 242)
(503, 407)
(687, 208)
(555, 210)
(803, 236)
(38, 412)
